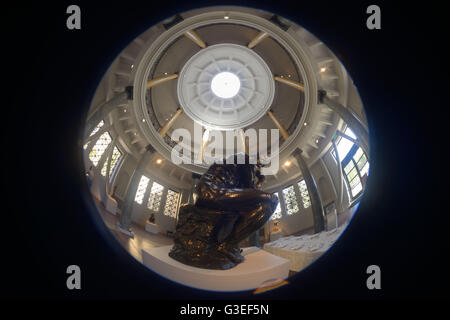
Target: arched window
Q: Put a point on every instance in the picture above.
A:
(99, 148)
(171, 207)
(304, 194)
(290, 200)
(154, 200)
(355, 164)
(142, 187)
(356, 167)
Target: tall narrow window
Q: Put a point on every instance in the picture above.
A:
(355, 167)
(171, 207)
(154, 200)
(361, 162)
(99, 125)
(277, 213)
(344, 145)
(143, 183)
(290, 200)
(304, 194)
(99, 148)
(115, 156)
(355, 163)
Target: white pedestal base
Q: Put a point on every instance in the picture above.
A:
(259, 266)
(151, 227)
(111, 205)
(126, 232)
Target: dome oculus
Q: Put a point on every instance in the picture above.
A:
(225, 85)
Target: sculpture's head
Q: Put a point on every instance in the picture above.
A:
(248, 171)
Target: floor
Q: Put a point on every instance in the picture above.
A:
(142, 239)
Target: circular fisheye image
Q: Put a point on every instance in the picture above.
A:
(226, 149)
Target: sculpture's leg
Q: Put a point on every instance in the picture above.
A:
(249, 223)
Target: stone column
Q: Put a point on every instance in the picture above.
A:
(124, 225)
(349, 118)
(193, 196)
(316, 202)
(341, 177)
(103, 110)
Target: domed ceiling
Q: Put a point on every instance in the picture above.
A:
(279, 66)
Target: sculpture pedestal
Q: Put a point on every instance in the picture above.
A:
(151, 227)
(276, 235)
(259, 266)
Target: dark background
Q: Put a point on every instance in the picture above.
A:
(49, 221)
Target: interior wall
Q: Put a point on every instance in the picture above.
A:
(296, 223)
(303, 220)
(140, 213)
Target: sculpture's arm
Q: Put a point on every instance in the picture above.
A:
(235, 199)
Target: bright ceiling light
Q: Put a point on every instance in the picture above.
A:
(287, 163)
(323, 69)
(159, 161)
(225, 85)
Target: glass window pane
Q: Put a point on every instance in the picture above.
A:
(143, 183)
(344, 145)
(154, 200)
(277, 213)
(354, 181)
(353, 173)
(304, 194)
(365, 169)
(358, 154)
(290, 200)
(115, 156)
(356, 189)
(99, 148)
(350, 133)
(171, 207)
(349, 167)
(362, 162)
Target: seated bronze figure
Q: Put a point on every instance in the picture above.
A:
(229, 207)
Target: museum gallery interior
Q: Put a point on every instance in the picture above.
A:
(216, 73)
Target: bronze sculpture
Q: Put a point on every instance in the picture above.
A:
(229, 207)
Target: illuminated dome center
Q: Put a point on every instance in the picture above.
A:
(225, 85)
